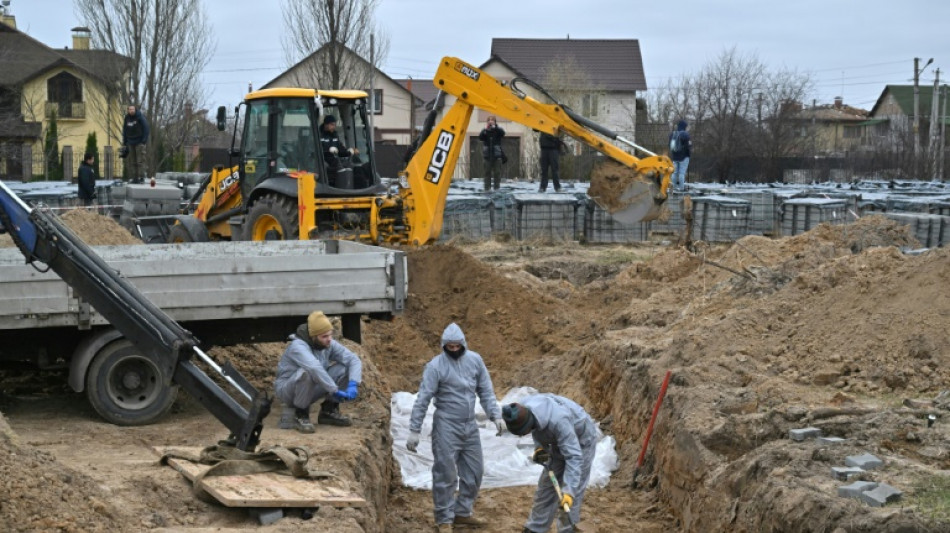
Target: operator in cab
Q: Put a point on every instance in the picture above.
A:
(333, 147)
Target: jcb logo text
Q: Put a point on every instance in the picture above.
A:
(439, 156)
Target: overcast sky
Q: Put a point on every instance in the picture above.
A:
(852, 48)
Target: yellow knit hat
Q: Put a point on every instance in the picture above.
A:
(318, 324)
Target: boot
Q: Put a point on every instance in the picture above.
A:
(287, 418)
(302, 421)
(330, 415)
(470, 521)
(445, 528)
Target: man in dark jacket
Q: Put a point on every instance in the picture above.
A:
(550, 152)
(315, 367)
(679, 153)
(491, 150)
(333, 147)
(87, 179)
(134, 137)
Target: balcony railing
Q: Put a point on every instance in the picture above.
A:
(73, 110)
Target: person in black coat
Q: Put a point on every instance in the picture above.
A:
(551, 147)
(491, 150)
(87, 179)
(134, 137)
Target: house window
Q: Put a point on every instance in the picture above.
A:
(64, 96)
(376, 102)
(590, 105)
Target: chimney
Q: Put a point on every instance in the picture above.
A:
(81, 38)
(5, 16)
(838, 102)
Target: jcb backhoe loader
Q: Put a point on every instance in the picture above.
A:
(283, 186)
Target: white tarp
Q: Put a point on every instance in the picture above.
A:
(507, 458)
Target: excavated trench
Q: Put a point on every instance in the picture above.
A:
(830, 329)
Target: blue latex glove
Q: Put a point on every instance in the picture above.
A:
(351, 392)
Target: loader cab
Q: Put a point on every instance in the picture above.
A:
(281, 136)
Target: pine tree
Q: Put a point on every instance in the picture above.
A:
(54, 168)
(92, 147)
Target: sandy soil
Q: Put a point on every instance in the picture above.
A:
(834, 328)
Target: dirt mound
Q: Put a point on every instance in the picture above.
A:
(94, 229)
(823, 329)
(39, 494)
(507, 323)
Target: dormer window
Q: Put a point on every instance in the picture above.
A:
(64, 96)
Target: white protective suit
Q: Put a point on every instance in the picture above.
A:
(454, 384)
(569, 435)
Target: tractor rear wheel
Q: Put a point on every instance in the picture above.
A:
(273, 217)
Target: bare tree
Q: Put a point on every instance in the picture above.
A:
(569, 82)
(169, 43)
(737, 108)
(341, 30)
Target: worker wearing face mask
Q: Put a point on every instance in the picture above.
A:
(454, 379)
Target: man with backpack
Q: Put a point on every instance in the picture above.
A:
(679, 153)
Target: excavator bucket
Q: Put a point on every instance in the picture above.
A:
(629, 195)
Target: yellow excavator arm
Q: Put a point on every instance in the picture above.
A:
(636, 195)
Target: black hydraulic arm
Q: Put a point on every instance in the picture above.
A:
(42, 237)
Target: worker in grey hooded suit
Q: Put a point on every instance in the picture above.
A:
(565, 439)
(454, 379)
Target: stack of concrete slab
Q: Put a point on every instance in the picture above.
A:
(720, 218)
(799, 215)
(674, 223)
(600, 227)
(467, 216)
(545, 216)
(762, 203)
(931, 230)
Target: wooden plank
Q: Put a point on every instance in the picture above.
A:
(263, 490)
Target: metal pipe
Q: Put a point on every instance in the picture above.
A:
(204, 357)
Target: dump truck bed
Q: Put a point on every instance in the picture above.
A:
(223, 289)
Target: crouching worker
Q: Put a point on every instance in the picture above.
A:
(315, 367)
(565, 438)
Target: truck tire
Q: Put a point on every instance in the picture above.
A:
(127, 387)
(179, 233)
(273, 217)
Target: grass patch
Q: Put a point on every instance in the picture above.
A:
(931, 496)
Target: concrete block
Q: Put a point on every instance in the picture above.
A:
(865, 461)
(830, 440)
(803, 433)
(856, 489)
(845, 473)
(881, 495)
(266, 515)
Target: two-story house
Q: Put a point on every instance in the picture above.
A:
(832, 129)
(892, 116)
(81, 87)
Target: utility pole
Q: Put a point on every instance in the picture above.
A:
(943, 133)
(917, 72)
(372, 92)
(934, 107)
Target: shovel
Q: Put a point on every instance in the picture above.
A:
(564, 514)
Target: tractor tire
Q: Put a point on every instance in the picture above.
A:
(127, 387)
(179, 233)
(273, 217)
